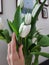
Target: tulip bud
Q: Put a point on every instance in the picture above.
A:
(24, 30)
(28, 18)
(34, 40)
(20, 3)
(1, 24)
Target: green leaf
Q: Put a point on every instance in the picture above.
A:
(13, 27)
(30, 44)
(4, 35)
(1, 35)
(33, 30)
(36, 48)
(34, 19)
(9, 25)
(18, 18)
(1, 38)
(16, 22)
(39, 36)
(41, 53)
(32, 47)
(39, 10)
(48, 35)
(44, 41)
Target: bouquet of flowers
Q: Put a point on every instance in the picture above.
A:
(26, 33)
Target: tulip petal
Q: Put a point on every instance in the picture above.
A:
(28, 18)
(24, 30)
(20, 3)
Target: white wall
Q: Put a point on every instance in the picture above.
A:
(9, 7)
(43, 26)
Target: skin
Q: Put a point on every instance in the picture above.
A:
(14, 57)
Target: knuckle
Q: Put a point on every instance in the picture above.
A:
(11, 56)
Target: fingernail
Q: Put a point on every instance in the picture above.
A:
(21, 46)
(13, 33)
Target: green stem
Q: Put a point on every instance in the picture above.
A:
(21, 41)
(25, 45)
(25, 42)
(36, 60)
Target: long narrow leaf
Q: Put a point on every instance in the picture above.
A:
(9, 25)
(13, 27)
(37, 13)
(39, 10)
(41, 53)
(16, 22)
(18, 18)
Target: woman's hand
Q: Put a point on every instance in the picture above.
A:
(14, 57)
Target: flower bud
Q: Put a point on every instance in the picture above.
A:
(20, 3)
(1, 24)
(28, 18)
(34, 40)
(24, 30)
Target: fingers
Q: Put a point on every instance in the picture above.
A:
(21, 52)
(12, 50)
(9, 52)
(8, 59)
(13, 44)
(9, 49)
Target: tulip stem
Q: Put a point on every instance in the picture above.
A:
(25, 43)
(21, 40)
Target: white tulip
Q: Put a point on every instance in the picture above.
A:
(28, 18)
(20, 3)
(24, 30)
(1, 24)
(34, 40)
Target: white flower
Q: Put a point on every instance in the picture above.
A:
(28, 18)
(1, 24)
(34, 40)
(24, 30)
(20, 3)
